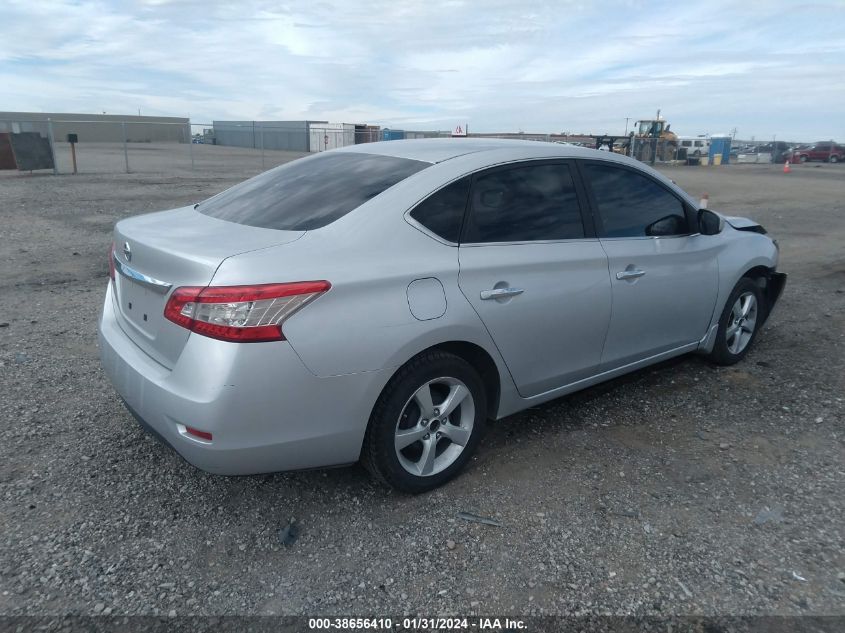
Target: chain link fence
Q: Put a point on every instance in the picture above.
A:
(109, 146)
(128, 145)
(148, 145)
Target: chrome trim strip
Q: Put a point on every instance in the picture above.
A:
(529, 242)
(156, 285)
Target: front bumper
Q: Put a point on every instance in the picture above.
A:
(774, 289)
(266, 411)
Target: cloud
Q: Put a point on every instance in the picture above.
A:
(764, 68)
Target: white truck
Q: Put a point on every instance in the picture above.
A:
(696, 146)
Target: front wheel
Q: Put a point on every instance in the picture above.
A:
(426, 424)
(738, 325)
(803, 159)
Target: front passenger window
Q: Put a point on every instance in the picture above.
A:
(633, 205)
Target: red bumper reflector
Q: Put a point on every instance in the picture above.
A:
(203, 435)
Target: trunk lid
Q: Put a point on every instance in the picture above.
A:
(158, 252)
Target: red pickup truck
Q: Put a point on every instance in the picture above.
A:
(826, 151)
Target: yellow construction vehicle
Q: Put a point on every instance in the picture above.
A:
(652, 139)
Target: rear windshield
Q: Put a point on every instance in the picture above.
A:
(310, 193)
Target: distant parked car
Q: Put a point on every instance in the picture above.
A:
(826, 151)
(380, 302)
(780, 151)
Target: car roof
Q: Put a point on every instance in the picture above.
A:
(437, 150)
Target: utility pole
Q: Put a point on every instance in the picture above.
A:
(627, 118)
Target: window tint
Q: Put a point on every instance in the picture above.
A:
(633, 205)
(535, 202)
(311, 192)
(442, 213)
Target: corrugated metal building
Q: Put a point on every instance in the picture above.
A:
(282, 135)
(297, 136)
(99, 128)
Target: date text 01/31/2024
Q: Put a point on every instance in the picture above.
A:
(415, 624)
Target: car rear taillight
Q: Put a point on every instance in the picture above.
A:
(111, 261)
(241, 314)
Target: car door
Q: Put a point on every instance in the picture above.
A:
(663, 273)
(535, 273)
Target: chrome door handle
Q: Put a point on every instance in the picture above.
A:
(498, 293)
(630, 274)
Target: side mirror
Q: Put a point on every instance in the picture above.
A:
(710, 223)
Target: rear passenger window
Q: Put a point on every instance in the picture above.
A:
(532, 202)
(442, 212)
(311, 192)
(633, 205)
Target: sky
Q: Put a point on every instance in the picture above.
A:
(761, 67)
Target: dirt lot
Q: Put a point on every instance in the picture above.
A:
(680, 489)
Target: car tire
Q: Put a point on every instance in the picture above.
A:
(802, 159)
(834, 159)
(738, 324)
(434, 442)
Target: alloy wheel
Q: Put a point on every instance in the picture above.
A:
(742, 322)
(434, 427)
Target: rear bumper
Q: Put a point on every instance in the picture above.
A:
(266, 411)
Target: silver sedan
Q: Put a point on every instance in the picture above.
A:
(381, 302)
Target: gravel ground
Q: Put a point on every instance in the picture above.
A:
(680, 489)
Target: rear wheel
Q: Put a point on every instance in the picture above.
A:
(738, 325)
(834, 158)
(426, 424)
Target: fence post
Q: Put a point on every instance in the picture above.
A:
(191, 143)
(262, 147)
(52, 146)
(125, 150)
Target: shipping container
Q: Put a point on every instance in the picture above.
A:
(392, 135)
(274, 135)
